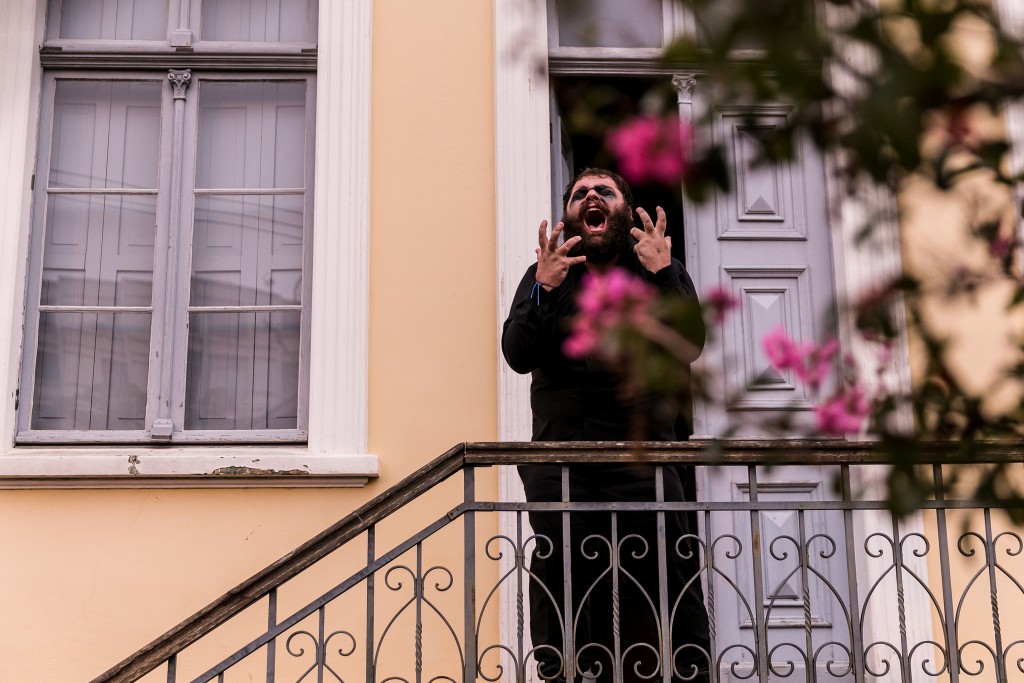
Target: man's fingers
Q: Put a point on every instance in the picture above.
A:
(668, 241)
(662, 220)
(568, 244)
(645, 219)
(637, 234)
(553, 240)
(542, 235)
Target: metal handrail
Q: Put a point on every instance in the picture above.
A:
(260, 584)
(482, 454)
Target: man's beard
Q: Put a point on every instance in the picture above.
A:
(602, 247)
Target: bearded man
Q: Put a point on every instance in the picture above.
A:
(614, 625)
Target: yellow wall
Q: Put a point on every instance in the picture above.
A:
(87, 577)
(971, 583)
(433, 343)
(940, 250)
(982, 338)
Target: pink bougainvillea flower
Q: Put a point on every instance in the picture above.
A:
(844, 412)
(816, 362)
(1001, 247)
(651, 149)
(606, 301)
(720, 300)
(582, 341)
(958, 123)
(810, 362)
(885, 354)
(782, 352)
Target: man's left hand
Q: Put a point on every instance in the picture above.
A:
(653, 248)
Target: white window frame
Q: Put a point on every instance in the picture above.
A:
(169, 307)
(336, 450)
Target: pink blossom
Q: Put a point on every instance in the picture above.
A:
(958, 125)
(651, 149)
(810, 362)
(844, 412)
(783, 353)
(618, 286)
(817, 362)
(606, 301)
(885, 354)
(1001, 247)
(582, 341)
(720, 300)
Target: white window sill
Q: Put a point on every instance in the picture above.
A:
(194, 467)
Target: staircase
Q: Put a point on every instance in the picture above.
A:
(803, 582)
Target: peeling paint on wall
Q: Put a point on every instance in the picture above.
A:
(256, 471)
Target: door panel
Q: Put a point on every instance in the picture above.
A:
(767, 243)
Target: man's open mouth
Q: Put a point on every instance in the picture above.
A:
(594, 219)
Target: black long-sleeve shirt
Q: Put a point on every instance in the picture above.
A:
(577, 399)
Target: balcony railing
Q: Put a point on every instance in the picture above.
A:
(790, 547)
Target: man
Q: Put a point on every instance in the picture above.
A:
(615, 622)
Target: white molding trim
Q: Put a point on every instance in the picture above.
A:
(523, 198)
(522, 174)
(336, 454)
(339, 338)
(859, 268)
(184, 468)
(21, 30)
(1011, 12)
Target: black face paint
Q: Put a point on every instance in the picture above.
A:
(606, 192)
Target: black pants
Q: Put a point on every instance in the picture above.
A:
(615, 590)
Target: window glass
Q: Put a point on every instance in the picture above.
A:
(99, 236)
(714, 15)
(251, 135)
(243, 370)
(609, 23)
(243, 367)
(259, 20)
(98, 250)
(105, 134)
(109, 19)
(91, 371)
(247, 250)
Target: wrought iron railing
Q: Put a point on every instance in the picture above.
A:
(805, 574)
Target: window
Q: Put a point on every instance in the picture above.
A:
(169, 280)
(608, 23)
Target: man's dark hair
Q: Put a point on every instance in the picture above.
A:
(627, 194)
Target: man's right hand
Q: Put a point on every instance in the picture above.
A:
(553, 261)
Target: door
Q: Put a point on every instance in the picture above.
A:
(767, 243)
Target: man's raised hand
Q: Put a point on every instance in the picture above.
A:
(553, 261)
(653, 249)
